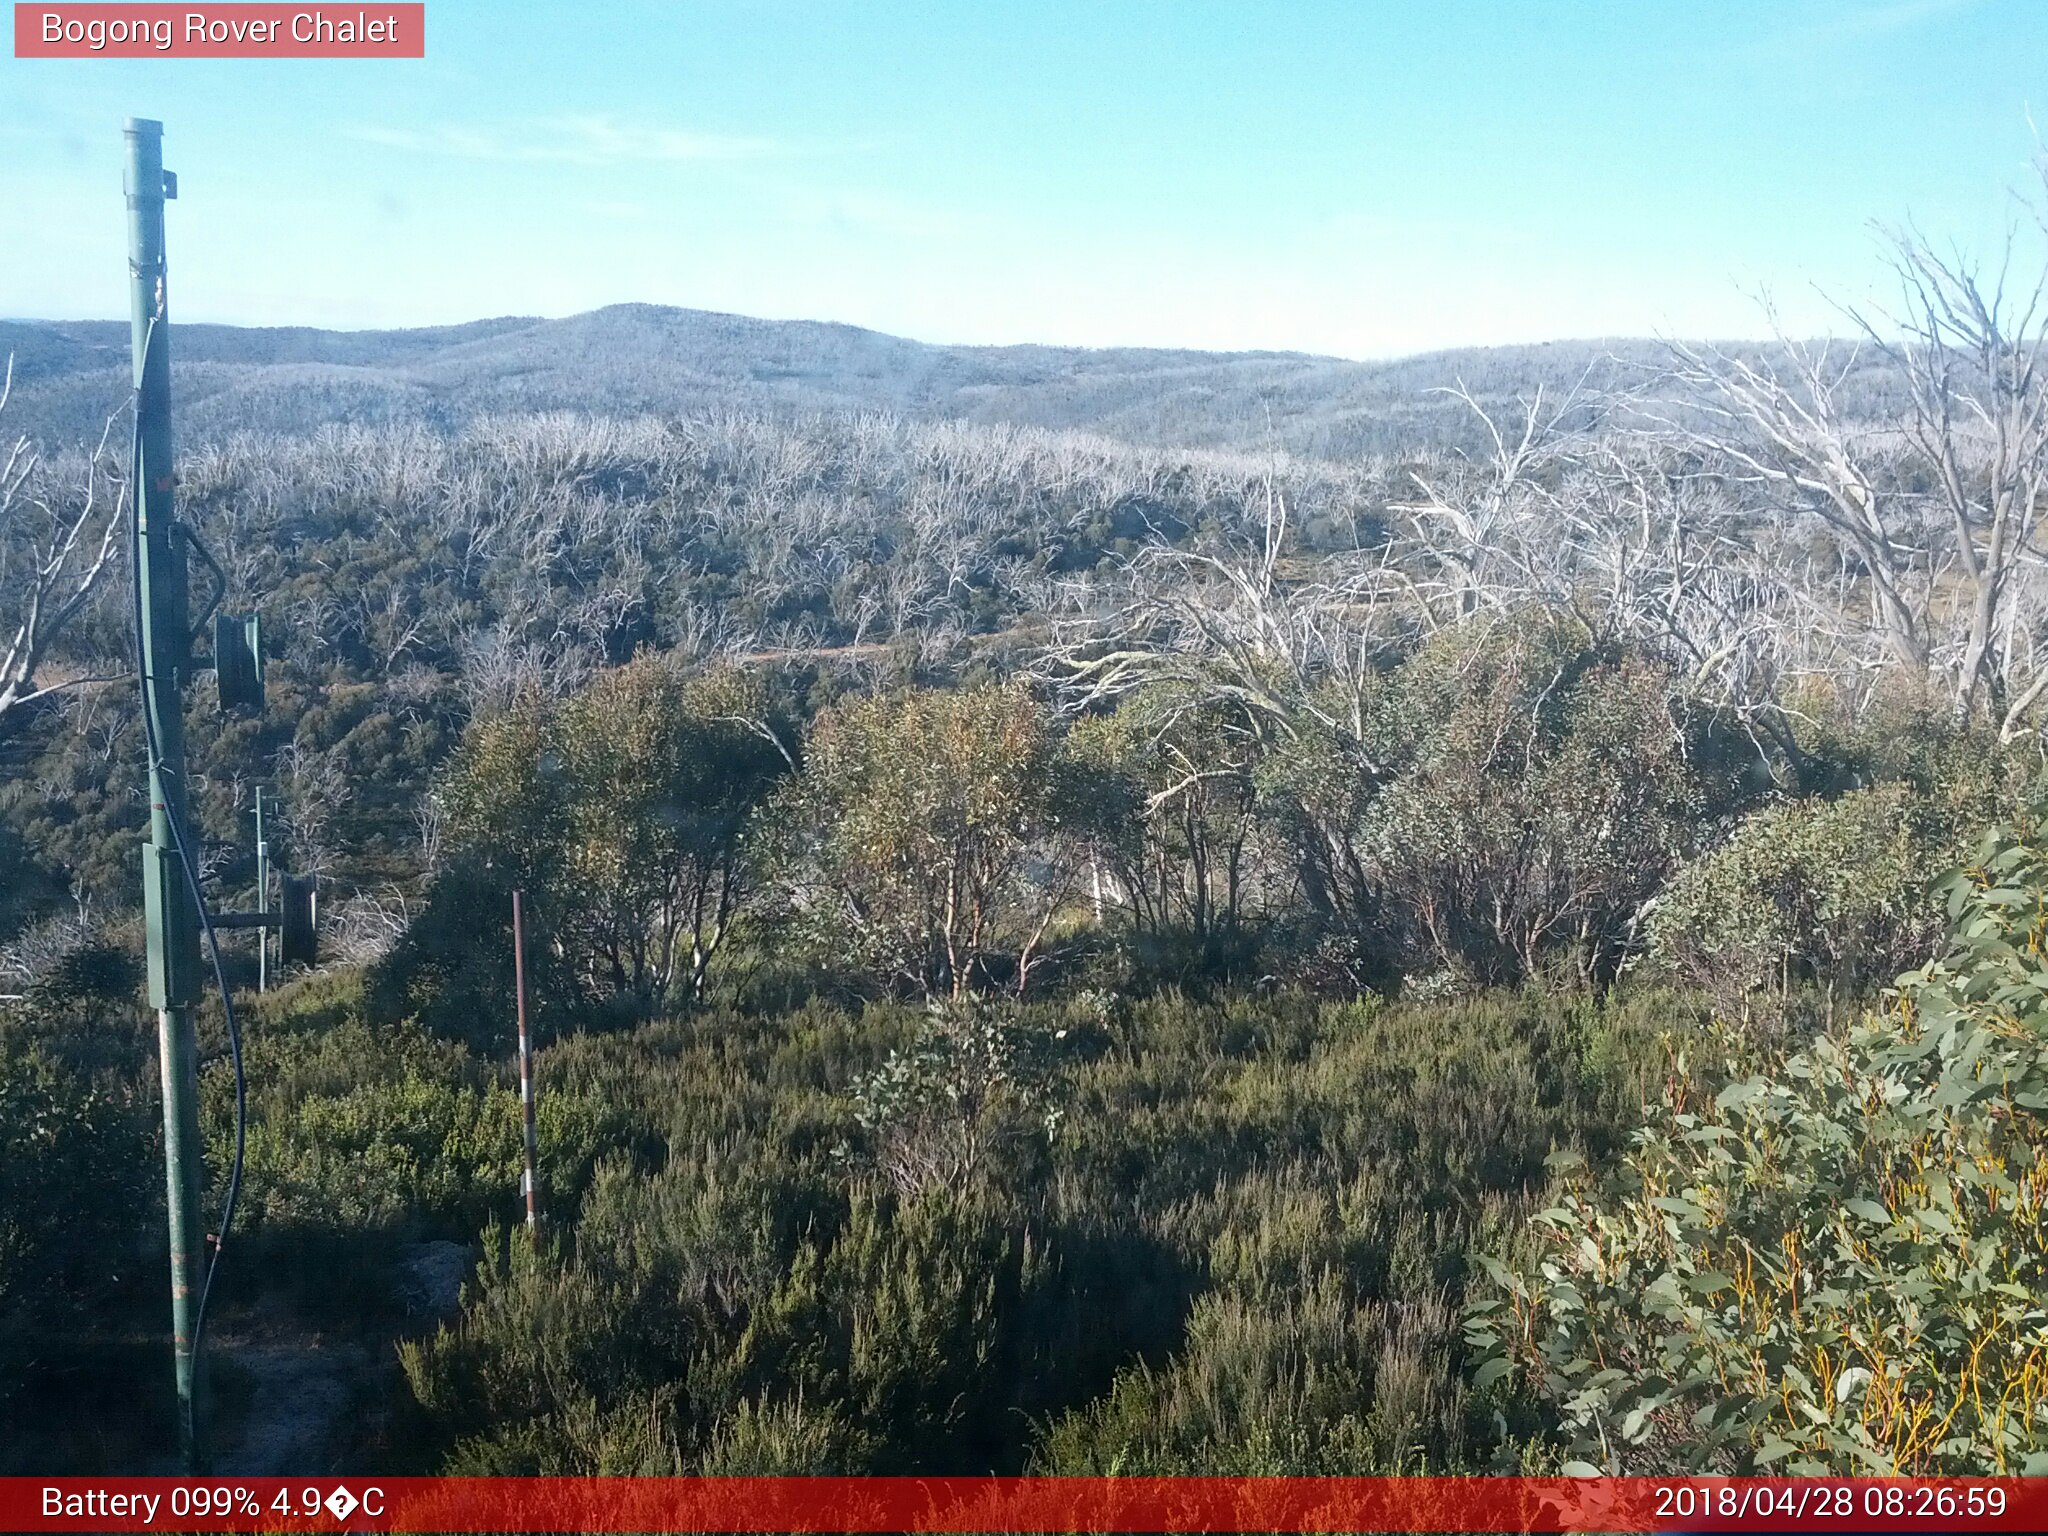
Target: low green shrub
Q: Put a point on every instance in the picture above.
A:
(974, 1084)
(81, 1209)
(1307, 1383)
(1831, 891)
(1834, 1266)
(1249, 1211)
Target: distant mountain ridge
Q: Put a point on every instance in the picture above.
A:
(631, 359)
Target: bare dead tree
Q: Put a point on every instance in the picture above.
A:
(1777, 423)
(59, 528)
(1969, 348)
(1936, 507)
(1484, 531)
(364, 925)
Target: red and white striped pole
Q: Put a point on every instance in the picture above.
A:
(529, 1182)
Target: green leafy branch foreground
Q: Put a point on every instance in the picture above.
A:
(1836, 1265)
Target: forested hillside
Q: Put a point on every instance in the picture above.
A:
(1358, 940)
(635, 359)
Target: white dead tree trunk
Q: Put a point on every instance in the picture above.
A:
(1226, 625)
(1778, 424)
(1978, 422)
(57, 540)
(1937, 503)
(1485, 530)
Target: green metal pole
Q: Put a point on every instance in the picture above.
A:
(262, 898)
(173, 926)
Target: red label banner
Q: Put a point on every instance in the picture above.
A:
(236, 31)
(1106, 1504)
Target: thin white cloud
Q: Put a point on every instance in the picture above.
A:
(1861, 22)
(587, 140)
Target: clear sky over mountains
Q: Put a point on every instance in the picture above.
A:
(1364, 179)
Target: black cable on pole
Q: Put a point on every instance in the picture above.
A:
(227, 1001)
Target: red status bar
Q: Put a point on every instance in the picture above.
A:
(1108, 1504)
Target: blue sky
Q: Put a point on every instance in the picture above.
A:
(1366, 179)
